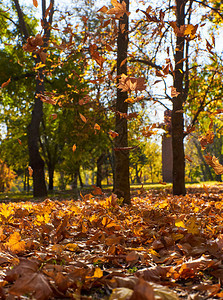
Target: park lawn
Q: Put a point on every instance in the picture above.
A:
(97, 248)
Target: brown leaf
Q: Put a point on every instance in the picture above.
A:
(6, 83)
(103, 9)
(143, 291)
(214, 163)
(118, 10)
(153, 273)
(95, 55)
(34, 283)
(33, 43)
(174, 92)
(131, 83)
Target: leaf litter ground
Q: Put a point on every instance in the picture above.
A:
(160, 247)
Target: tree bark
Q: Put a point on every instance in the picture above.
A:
(36, 161)
(177, 113)
(100, 162)
(122, 185)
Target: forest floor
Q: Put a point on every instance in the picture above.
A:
(159, 247)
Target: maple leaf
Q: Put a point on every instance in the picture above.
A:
(131, 83)
(118, 10)
(15, 244)
(214, 163)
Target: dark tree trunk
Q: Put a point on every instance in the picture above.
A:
(122, 185)
(36, 161)
(100, 162)
(51, 176)
(177, 113)
(80, 179)
(138, 180)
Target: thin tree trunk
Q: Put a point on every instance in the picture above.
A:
(122, 185)
(51, 177)
(177, 113)
(100, 162)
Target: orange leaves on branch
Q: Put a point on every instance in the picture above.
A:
(184, 30)
(6, 83)
(148, 131)
(129, 84)
(214, 163)
(95, 55)
(46, 99)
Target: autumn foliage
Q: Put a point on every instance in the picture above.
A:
(160, 246)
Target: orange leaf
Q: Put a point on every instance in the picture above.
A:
(15, 244)
(83, 118)
(6, 83)
(19, 141)
(97, 127)
(98, 273)
(103, 9)
(30, 171)
(113, 134)
(74, 147)
(35, 3)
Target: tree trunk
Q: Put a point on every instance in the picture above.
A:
(177, 113)
(122, 185)
(100, 162)
(36, 161)
(51, 176)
